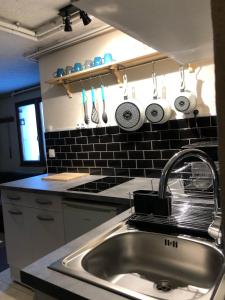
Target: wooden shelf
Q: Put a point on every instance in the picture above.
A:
(113, 68)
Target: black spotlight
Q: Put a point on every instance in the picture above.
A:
(67, 23)
(66, 13)
(85, 17)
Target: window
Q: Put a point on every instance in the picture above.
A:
(29, 124)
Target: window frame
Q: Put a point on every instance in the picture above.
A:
(31, 163)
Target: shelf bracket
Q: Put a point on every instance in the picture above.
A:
(67, 87)
(117, 73)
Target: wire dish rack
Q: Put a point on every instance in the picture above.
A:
(192, 202)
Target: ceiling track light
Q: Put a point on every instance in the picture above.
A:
(67, 22)
(85, 17)
(66, 13)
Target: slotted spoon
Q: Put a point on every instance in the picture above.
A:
(94, 113)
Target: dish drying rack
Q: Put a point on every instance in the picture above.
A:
(192, 202)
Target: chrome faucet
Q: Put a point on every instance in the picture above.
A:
(214, 229)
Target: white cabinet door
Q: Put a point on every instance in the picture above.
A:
(81, 217)
(47, 231)
(17, 235)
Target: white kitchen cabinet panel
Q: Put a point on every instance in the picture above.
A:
(81, 217)
(35, 200)
(47, 231)
(17, 235)
(180, 28)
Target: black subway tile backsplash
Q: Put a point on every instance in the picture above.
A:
(82, 155)
(99, 131)
(160, 145)
(113, 147)
(88, 148)
(189, 133)
(95, 171)
(89, 163)
(76, 148)
(137, 173)
(152, 154)
(122, 172)
(121, 155)
(70, 141)
(71, 155)
(112, 130)
(129, 163)
(94, 155)
(100, 147)
(115, 163)
(64, 134)
(112, 151)
(136, 154)
(107, 155)
(143, 164)
(106, 138)
(93, 139)
(108, 171)
(101, 163)
(81, 140)
(77, 162)
(169, 134)
(75, 133)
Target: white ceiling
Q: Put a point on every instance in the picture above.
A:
(20, 72)
(31, 13)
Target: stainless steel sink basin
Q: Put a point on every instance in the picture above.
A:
(144, 265)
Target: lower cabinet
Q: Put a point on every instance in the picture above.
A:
(30, 233)
(80, 217)
(37, 224)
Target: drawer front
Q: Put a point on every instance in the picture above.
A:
(35, 200)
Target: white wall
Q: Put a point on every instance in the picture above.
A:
(9, 134)
(63, 113)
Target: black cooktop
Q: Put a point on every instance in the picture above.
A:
(100, 185)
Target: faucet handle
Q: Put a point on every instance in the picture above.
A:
(214, 229)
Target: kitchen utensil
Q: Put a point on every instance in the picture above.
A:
(186, 101)
(94, 113)
(59, 72)
(88, 64)
(129, 115)
(97, 61)
(84, 102)
(68, 70)
(64, 176)
(107, 58)
(104, 115)
(159, 110)
(78, 67)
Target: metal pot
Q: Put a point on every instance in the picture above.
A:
(129, 115)
(186, 101)
(159, 110)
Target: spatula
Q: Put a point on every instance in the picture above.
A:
(104, 114)
(94, 113)
(84, 102)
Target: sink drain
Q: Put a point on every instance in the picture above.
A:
(164, 286)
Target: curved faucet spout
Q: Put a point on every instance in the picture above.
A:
(214, 229)
(179, 157)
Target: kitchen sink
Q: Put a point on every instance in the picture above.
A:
(146, 265)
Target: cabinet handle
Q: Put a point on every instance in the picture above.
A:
(43, 202)
(91, 207)
(15, 212)
(14, 198)
(45, 218)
